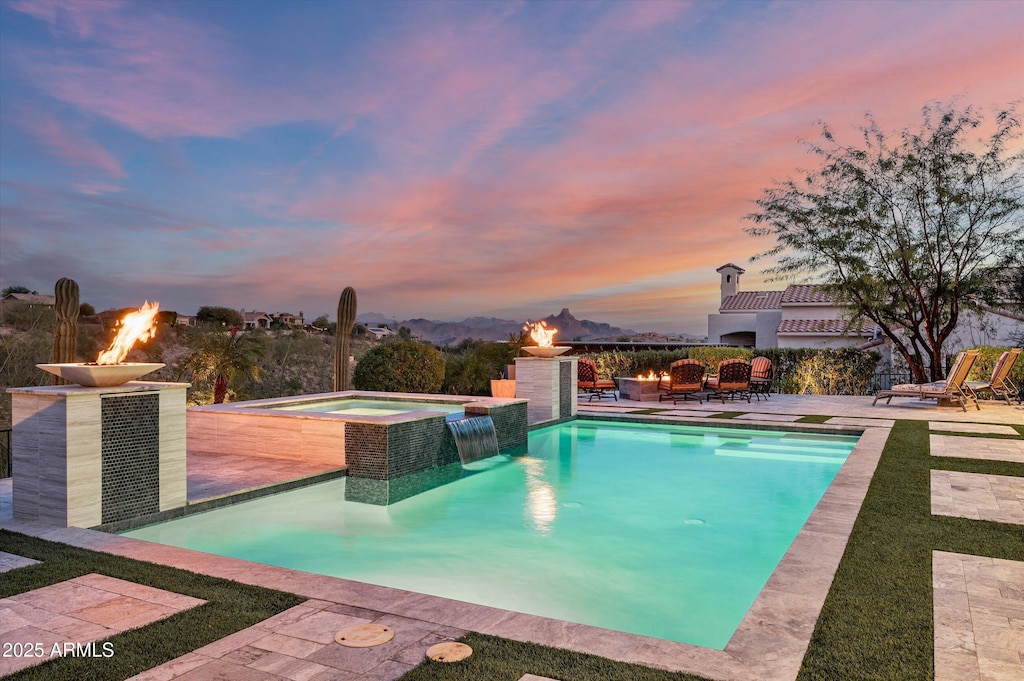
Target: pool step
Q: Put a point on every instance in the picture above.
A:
(778, 453)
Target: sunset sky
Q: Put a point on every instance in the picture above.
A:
(446, 160)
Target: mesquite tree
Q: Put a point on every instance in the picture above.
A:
(909, 230)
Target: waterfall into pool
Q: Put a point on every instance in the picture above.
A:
(475, 438)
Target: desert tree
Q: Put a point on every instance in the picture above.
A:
(909, 230)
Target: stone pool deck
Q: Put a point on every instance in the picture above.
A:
(979, 602)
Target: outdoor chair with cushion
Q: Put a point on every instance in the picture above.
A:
(732, 381)
(589, 384)
(953, 388)
(761, 377)
(685, 381)
(1000, 384)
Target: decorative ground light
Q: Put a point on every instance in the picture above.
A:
(449, 651)
(364, 635)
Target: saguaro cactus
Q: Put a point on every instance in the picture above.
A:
(65, 335)
(346, 320)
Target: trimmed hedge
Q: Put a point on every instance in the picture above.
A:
(815, 371)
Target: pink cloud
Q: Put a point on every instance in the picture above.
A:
(72, 147)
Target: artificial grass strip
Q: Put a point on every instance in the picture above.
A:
(813, 418)
(726, 415)
(499, 659)
(230, 607)
(876, 623)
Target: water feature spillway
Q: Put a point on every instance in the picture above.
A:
(475, 438)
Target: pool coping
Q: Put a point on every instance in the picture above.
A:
(769, 643)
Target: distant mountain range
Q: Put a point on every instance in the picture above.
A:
(491, 328)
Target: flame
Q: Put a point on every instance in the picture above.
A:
(540, 333)
(651, 376)
(136, 326)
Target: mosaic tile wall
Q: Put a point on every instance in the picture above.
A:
(389, 462)
(366, 450)
(130, 454)
(416, 446)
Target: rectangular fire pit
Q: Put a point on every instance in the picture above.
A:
(638, 390)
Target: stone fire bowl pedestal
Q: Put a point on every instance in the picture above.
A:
(101, 375)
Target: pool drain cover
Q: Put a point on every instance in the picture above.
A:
(364, 635)
(449, 652)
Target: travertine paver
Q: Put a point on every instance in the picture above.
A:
(985, 428)
(967, 447)
(857, 421)
(10, 561)
(299, 644)
(782, 418)
(39, 624)
(999, 498)
(534, 677)
(979, 618)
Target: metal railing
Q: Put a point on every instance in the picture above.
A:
(5, 453)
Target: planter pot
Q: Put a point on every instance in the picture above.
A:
(503, 388)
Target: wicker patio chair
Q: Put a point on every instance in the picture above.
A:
(732, 381)
(685, 381)
(761, 377)
(589, 384)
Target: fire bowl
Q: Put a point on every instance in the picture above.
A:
(101, 375)
(548, 351)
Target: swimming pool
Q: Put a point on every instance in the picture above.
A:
(665, 531)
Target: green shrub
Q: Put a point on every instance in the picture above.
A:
(400, 366)
(988, 355)
(711, 356)
(632, 363)
(470, 369)
(822, 371)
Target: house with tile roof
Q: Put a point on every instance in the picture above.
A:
(256, 319)
(801, 316)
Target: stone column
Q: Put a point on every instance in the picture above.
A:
(88, 456)
(549, 385)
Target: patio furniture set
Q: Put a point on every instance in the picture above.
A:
(687, 379)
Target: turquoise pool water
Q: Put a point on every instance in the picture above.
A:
(666, 531)
(357, 407)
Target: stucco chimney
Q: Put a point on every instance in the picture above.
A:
(730, 279)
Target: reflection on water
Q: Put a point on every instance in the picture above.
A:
(541, 505)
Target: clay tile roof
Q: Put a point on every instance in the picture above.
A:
(752, 300)
(832, 327)
(806, 293)
(735, 267)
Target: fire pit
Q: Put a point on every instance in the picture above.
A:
(545, 341)
(109, 369)
(641, 388)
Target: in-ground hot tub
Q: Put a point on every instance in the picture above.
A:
(393, 444)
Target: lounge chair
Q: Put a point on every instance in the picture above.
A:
(588, 382)
(953, 388)
(685, 381)
(732, 381)
(761, 377)
(1000, 384)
